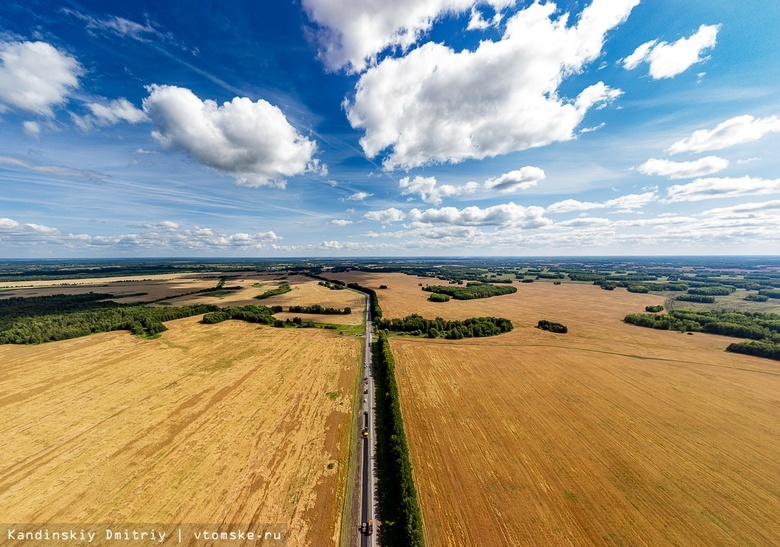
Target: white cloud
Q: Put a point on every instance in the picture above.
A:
(431, 192)
(631, 202)
(519, 179)
(439, 105)
(626, 204)
(36, 76)
(353, 32)
(684, 169)
(387, 215)
(737, 130)
(668, 60)
(743, 209)
(10, 227)
(110, 113)
(31, 129)
(252, 141)
(710, 188)
(477, 22)
(341, 222)
(506, 214)
(359, 196)
(571, 205)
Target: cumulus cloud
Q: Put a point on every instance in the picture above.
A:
(684, 169)
(110, 113)
(432, 192)
(631, 202)
(252, 141)
(709, 188)
(506, 214)
(36, 76)
(341, 222)
(519, 179)
(668, 60)
(353, 32)
(734, 131)
(165, 235)
(572, 205)
(743, 209)
(358, 196)
(385, 216)
(625, 204)
(437, 105)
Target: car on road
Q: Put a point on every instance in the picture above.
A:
(365, 432)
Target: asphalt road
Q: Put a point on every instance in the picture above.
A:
(369, 480)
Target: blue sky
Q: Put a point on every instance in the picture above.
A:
(368, 128)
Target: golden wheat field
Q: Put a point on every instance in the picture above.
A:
(609, 435)
(182, 290)
(213, 424)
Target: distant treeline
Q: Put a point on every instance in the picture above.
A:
(476, 327)
(252, 314)
(42, 319)
(398, 507)
(316, 308)
(552, 326)
(470, 291)
(764, 328)
(696, 298)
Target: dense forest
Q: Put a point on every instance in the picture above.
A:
(476, 327)
(398, 507)
(471, 291)
(764, 328)
(40, 319)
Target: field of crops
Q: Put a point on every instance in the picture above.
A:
(610, 434)
(213, 424)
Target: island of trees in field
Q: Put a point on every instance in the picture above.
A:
(471, 291)
(552, 326)
(476, 327)
(762, 328)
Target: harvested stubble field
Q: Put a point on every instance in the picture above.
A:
(611, 434)
(213, 424)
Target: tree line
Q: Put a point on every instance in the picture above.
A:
(475, 327)
(471, 291)
(61, 317)
(398, 507)
(762, 328)
(281, 289)
(316, 308)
